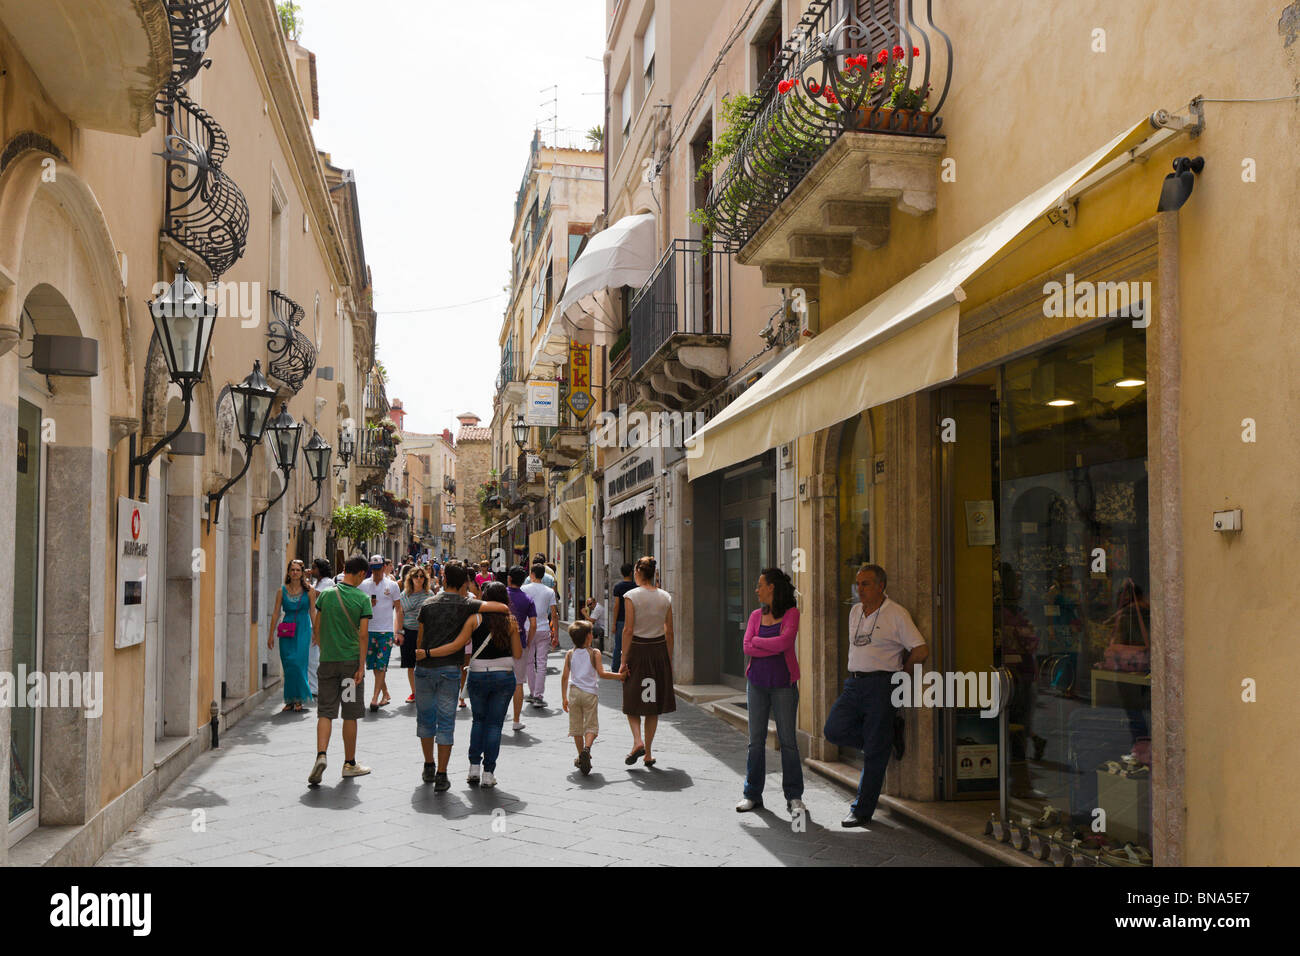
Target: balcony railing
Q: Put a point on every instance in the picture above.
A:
(377, 449)
(205, 211)
(689, 293)
(192, 24)
(376, 397)
(509, 367)
(293, 355)
(850, 65)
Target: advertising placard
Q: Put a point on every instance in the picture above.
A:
(132, 571)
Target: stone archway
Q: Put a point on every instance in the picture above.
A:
(59, 274)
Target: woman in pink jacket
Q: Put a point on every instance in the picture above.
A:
(773, 675)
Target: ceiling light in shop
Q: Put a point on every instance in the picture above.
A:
(1061, 402)
(1130, 383)
(1061, 383)
(1121, 362)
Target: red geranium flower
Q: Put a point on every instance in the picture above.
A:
(916, 51)
(813, 87)
(883, 56)
(831, 98)
(899, 53)
(785, 86)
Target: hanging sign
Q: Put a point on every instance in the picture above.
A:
(543, 404)
(132, 571)
(580, 399)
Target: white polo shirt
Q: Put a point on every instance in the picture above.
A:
(382, 596)
(891, 635)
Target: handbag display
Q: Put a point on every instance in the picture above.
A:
(1121, 654)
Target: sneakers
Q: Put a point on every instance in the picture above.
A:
(472, 778)
(430, 771)
(539, 701)
(355, 770)
(317, 770)
(411, 699)
(746, 805)
(584, 761)
(489, 779)
(517, 726)
(441, 784)
(529, 698)
(795, 806)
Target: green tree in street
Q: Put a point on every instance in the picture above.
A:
(358, 523)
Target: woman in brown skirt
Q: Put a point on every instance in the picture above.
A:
(647, 659)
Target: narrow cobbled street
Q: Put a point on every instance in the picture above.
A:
(257, 809)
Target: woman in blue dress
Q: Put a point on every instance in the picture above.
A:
(298, 602)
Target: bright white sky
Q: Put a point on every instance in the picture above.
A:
(433, 104)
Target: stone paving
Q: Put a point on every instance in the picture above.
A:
(257, 809)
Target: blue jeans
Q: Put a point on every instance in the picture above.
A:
(781, 703)
(618, 646)
(863, 717)
(436, 692)
(490, 693)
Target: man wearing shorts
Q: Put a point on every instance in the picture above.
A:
(386, 605)
(340, 625)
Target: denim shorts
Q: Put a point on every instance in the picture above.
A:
(436, 693)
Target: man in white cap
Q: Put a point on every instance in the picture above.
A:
(386, 603)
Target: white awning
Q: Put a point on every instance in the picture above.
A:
(901, 342)
(623, 254)
(487, 531)
(634, 503)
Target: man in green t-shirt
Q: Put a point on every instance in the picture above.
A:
(340, 625)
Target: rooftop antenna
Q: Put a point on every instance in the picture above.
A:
(554, 104)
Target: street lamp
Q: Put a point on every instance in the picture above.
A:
(520, 432)
(183, 320)
(286, 435)
(252, 399)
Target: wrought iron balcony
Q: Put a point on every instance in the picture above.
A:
(681, 322)
(377, 406)
(849, 66)
(192, 24)
(377, 450)
(205, 211)
(293, 355)
(509, 371)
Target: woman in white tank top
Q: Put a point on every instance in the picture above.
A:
(647, 659)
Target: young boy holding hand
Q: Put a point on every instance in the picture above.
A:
(584, 666)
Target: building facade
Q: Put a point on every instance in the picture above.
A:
(107, 185)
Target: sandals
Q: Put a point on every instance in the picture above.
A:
(287, 709)
(649, 761)
(632, 757)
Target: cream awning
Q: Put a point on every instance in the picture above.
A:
(487, 531)
(567, 522)
(901, 342)
(623, 254)
(634, 503)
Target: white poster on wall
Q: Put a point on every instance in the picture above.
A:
(132, 571)
(542, 407)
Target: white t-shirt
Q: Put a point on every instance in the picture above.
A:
(597, 615)
(382, 596)
(543, 599)
(891, 633)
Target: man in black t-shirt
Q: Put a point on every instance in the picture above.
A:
(627, 584)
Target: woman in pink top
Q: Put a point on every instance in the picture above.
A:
(772, 677)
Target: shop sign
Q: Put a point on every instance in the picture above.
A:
(132, 571)
(631, 471)
(979, 524)
(580, 400)
(533, 467)
(542, 404)
(977, 761)
(448, 529)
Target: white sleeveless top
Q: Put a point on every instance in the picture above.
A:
(582, 674)
(651, 609)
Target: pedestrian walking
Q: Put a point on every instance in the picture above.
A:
(297, 601)
(648, 663)
(415, 591)
(593, 612)
(882, 640)
(386, 603)
(583, 668)
(548, 634)
(444, 630)
(491, 684)
(525, 612)
(341, 625)
(324, 580)
(620, 613)
(772, 687)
